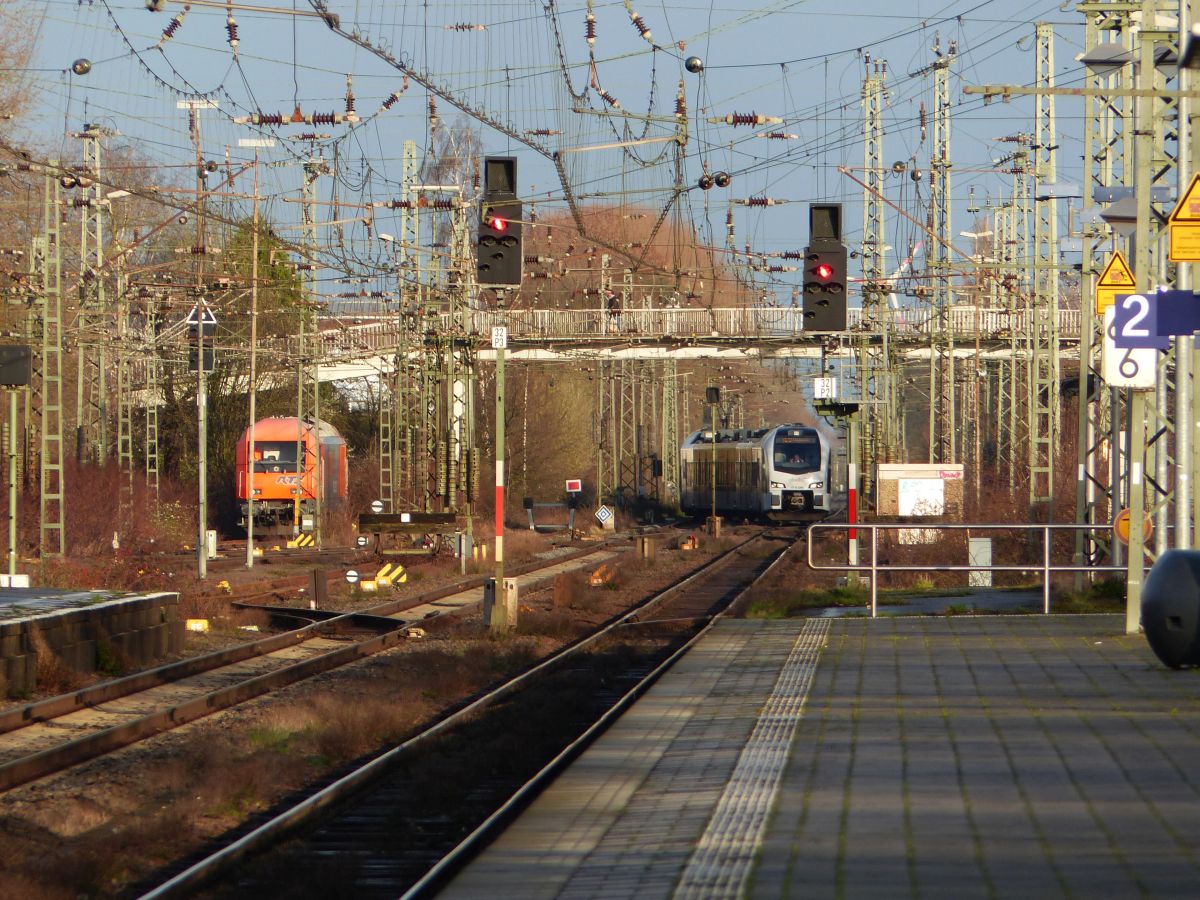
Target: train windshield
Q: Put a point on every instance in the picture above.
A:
(275, 456)
(797, 451)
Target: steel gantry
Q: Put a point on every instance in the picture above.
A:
(942, 431)
(877, 370)
(1044, 410)
(1107, 159)
(53, 538)
(91, 388)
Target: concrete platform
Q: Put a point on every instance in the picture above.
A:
(1019, 756)
(81, 629)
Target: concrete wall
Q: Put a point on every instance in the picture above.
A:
(137, 631)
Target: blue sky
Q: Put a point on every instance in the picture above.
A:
(803, 62)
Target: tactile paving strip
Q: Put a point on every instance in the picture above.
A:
(722, 861)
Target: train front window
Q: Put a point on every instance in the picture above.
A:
(797, 454)
(275, 456)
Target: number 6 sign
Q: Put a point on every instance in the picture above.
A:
(1126, 367)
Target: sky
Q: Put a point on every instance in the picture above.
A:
(527, 67)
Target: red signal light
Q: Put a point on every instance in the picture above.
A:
(493, 221)
(824, 271)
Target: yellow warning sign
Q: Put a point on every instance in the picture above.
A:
(1183, 227)
(1115, 279)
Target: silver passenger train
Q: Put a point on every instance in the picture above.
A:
(778, 473)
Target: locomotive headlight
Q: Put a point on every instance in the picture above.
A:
(257, 492)
(777, 484)
(817, 484)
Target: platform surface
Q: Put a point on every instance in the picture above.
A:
(1016, 756)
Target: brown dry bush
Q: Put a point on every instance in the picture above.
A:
(568, 587)
(53, 675)
(555, 623)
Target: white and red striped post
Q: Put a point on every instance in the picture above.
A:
(499, 621)
(852, 513)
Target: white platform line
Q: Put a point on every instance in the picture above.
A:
(720, 864)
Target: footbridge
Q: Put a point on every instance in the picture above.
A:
(359, 342)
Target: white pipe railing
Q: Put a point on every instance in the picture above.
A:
(1046, 567)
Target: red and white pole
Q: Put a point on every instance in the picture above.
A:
(852, 511)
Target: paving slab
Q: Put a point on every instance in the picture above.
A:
(974, 756)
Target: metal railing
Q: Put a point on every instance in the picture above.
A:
(362, 331)
(1046, 567)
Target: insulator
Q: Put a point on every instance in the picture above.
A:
(329, 118)
(308, 136)
(747, 119)
(262, 118)
(539, 260)
(921, 119)
(464, 26)
(173, 26)
(608, 98)
(199, 250)
(779, 136)
(542, 132)
(634, 216)
(792, 254)
(729, 221)
(779, 269)
(394, 204)
(636, 245)
(539, 275)
(231, 29)
(443, 204)
(757, 201)
(680, 104)
(349, 95)
(642, 27)
(590, 34)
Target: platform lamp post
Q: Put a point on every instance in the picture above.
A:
(712, 396)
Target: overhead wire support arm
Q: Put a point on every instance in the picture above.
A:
(1019, 90)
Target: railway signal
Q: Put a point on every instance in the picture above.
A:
(825, 270)
(499, 259)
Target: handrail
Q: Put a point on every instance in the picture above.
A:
(1046, 567)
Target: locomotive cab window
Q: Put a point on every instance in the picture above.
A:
(275, 456)
(797, 452)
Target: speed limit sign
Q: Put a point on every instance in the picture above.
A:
(1134, 367)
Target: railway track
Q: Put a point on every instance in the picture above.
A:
(39, 739)
(389, 826)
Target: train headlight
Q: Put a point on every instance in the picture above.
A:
(777, 484)
(257, 492)
(817, 484)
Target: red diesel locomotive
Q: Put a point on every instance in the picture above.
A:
(284, 491)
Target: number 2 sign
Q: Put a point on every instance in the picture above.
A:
(1135, 323)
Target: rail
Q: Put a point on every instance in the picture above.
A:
(1046, 567)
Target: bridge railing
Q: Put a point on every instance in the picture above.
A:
(960, 323)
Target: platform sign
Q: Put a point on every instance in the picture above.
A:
(1117, 278)
(574, 485)
(1151, 320)
(1121, 367)
(1183, 226)
(1135, 322)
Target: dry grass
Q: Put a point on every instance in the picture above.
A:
(53, 675)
